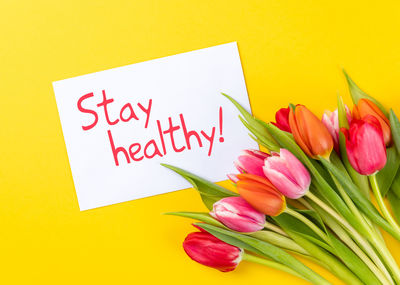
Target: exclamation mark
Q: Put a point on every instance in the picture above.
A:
(221, 138)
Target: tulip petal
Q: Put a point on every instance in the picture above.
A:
(366, 107)
(350, 150)
(257, 179)
(314, 134)
(287, 174)
(238, 215)
(297, 169)
(239, 167)
(277, 163)
(251, 164)
(282, 119)
(286, 186)
(257, 153)
(206, 249)
(371, 149)
(297, 134)
(261, 198)
(328, 121)
(365, 145)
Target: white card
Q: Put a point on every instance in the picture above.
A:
(120, 124)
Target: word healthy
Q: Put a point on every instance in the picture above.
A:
(136, 151)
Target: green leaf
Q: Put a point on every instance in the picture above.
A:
(394, 201)
(258, 141)
(264, 249)
(353, 262)
(258, 137)
(337, 162)
(203, 217)
(209, 192)
(279, 240)
(357, 94)
(360, 180)
(396, 184)
(255, 126)
(395, 128)
(386, 176)
(287, 221)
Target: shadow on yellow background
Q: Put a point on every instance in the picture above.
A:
(291, 51)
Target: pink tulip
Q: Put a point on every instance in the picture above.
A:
(238, 215)
(331, 122)
(251, 161)
(287, 174)
(365, 145)
(206, 249)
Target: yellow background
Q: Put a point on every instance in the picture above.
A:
(292, 51)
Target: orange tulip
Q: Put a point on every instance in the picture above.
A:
(367, 107)
(310, 133)
(261, 194)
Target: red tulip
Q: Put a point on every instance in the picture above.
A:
(366, 107)
(365, 145)
(261, 194)
(206, 249)
(282, 119)
(310, 133)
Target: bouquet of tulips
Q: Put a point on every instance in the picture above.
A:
(308, 195)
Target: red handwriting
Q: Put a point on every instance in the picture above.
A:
(84, 110)
(126, 114)
(168, 132)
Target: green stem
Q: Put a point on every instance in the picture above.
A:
(381, 203)
(350, 203)
(374, 237)
(272, 264)
(278, 240)
(345, 237)
(357, 237)
(385, 253)
(310, 224)
(362, 182)
(329, 261)
(387, 257)
(275, 228)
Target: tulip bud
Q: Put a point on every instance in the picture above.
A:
(331, 122)
(310, 133)
(206, 249)
(366, 107)
(238, 215)
(261, 194)
(365, 145)
(282, 119)
(251, 161)
(287, 174)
